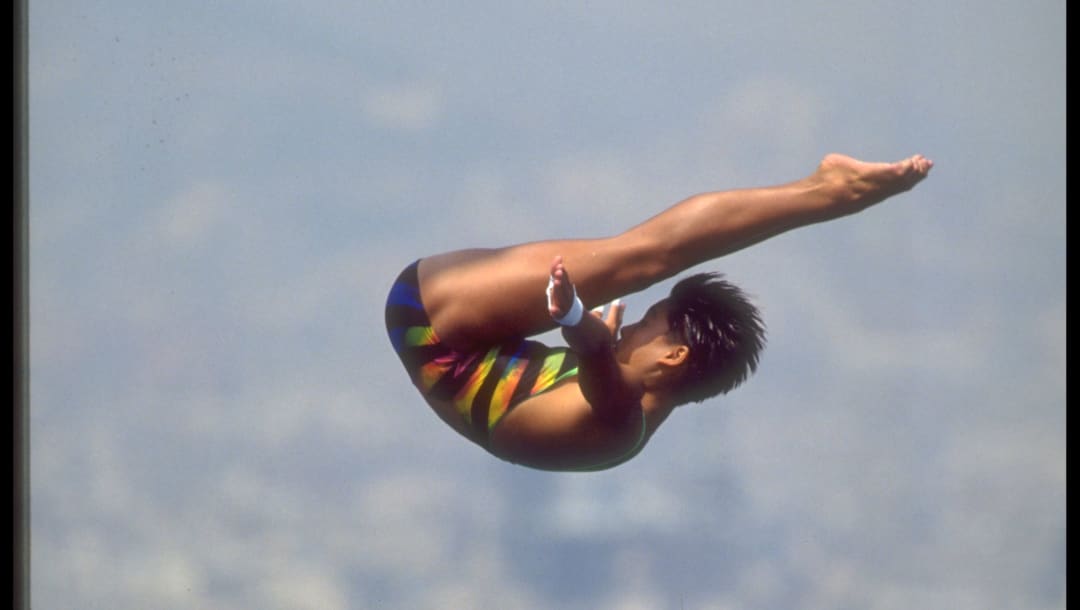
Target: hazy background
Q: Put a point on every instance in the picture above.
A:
(222, 192)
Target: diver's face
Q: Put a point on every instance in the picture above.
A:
(647, 340)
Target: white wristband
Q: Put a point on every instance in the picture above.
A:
(577, 310)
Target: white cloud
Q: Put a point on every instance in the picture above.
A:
(169, 577)
(190, 218)
(305, 589)
(601, 507)
(409, 106)
(770, 124)
(1050, 330)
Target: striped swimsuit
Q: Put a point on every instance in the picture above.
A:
(483, 385)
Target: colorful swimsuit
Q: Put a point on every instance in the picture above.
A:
(483, 385)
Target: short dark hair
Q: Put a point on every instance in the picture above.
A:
(723, 330)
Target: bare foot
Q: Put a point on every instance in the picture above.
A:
(860, 184)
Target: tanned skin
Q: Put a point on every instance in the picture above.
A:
(481, 297)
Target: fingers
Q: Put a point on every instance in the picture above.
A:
(560, 290)
(613, 316)
(558, 272)
(562, 276)
(556, 264)
(561, 295)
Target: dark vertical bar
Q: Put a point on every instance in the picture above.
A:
(20, 293)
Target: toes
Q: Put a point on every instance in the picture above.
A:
(916, 164)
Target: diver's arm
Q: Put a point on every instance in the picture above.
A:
(592, 338)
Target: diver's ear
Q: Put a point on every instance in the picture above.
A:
(676, 356)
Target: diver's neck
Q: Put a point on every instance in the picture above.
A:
(657, 408)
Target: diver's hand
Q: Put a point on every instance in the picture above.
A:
(611, 316)
(561, 291)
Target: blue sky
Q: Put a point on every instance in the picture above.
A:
(221, 193)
